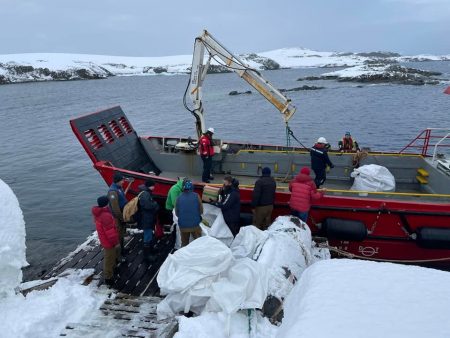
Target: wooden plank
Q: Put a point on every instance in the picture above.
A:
(126, 270)
(82, 263)
(69, 264)
(165, 247)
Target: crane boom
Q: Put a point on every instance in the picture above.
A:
(199, 69)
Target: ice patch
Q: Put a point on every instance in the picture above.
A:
(12, 241)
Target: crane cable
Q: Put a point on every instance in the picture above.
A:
(289, 134)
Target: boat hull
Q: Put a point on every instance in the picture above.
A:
(377, 227)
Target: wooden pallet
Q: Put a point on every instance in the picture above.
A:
(124, 316)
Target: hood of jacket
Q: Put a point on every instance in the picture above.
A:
(97, 211)
(319, 146)
(179, 184)
(143, 187)
(301, 178)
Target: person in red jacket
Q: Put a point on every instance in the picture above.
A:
(303, 192)
(206, 149)
(108, 234)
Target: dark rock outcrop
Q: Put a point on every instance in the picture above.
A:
(315, 78)
(235, 92)
(378, 54)
(305, 87)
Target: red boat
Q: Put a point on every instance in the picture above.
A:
(410, 225)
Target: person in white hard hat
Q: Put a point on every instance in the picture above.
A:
(320, 160)
(206, 149)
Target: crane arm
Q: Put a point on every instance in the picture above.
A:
(216, 50)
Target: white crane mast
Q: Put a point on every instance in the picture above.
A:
(199, 69)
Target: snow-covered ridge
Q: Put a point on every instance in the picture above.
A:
(57, 66)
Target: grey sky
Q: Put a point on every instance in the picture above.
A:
(157, 28)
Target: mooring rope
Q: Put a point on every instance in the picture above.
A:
(351, 256)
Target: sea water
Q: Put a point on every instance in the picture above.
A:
(47, 168)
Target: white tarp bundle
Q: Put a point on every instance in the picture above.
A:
(373, 177)
(12, 241)
(217, 226)
(204, 274)
(208, 276)
(286, 249)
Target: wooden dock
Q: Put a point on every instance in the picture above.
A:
(136, 277)
(131, 309)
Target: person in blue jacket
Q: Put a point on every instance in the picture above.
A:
(320, 161)
(230, 203)
(189, 209)
(117, 200)
(147, 216)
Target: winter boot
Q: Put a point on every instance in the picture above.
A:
(148, 256)
(109, 282)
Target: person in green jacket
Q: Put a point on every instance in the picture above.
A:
(173, 194)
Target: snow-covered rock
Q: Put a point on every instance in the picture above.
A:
(352, 299)
(383, 73)
(12, 242)
(59, 66)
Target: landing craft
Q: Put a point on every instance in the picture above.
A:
(410, 225)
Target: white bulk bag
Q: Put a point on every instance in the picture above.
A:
(373, 177)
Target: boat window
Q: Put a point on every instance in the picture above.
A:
(125, 125)
(93, 139)
(115, 128)
(105, 134)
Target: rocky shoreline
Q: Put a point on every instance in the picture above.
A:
(371, 67)
(380, 74)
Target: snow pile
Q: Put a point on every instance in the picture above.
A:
(353, 299)
(373, 177)
(46, 313)
(12, 241)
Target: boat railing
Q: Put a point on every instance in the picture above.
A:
(429, 139)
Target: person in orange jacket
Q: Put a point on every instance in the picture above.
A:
(303, 193)
(206, 149)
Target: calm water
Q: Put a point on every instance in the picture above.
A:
(53, 178)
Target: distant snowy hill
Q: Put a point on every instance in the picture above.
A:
(56, 66)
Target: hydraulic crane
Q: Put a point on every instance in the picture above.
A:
(206, 42)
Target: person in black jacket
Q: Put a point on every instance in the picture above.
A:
(147, 216)
(230, 203)
(262, 199)
(320, 160)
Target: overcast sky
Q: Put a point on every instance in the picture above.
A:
(158, 28)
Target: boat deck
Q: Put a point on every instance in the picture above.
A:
(404, 191)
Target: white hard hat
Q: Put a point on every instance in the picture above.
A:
(322, 140)
(211, 130)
